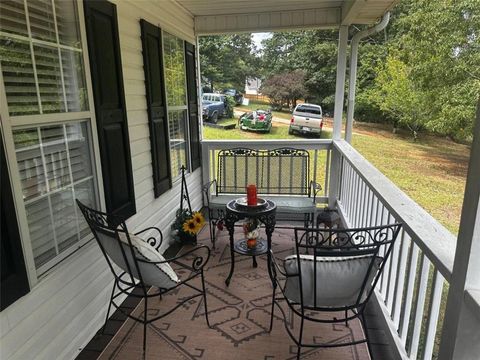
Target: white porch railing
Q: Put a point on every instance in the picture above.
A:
(412, 289)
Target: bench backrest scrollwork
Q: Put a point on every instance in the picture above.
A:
(280, 171)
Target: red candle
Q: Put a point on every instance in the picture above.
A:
(251, 195)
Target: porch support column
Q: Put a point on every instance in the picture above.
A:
(340, 82)
(460, 336)
(205, 158)
(337, 115)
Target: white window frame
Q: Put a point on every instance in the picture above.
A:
(9, 123)
(174, 108)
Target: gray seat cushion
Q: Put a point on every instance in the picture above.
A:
(339, 279)
(285, 204)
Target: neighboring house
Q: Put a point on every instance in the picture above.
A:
(99, 102)
(252, 86)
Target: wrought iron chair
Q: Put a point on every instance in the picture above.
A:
(334, 271)
(136, 263)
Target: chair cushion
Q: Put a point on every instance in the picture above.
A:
(339, 279)
(288, 204)
(160, 275)
(293, 204)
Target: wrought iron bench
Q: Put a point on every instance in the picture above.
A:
(281, 175)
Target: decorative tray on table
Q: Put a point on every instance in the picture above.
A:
(242, 203)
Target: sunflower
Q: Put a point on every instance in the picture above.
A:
(190, 226)
(198, 218)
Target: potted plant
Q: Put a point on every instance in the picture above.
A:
(186, 226)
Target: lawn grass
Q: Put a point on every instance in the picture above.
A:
(432, 171)
(278, 131)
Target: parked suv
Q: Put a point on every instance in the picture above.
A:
(306, 119)
(214, 106)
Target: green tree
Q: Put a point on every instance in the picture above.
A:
(227, 60)
(396, 94)
(312, 51)
(439, 42)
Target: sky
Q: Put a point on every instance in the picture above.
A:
(258, 37)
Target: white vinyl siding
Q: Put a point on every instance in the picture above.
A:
(66, 308)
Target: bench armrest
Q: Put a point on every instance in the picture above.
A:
(314, 188)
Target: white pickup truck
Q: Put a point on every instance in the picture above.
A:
(306, 119)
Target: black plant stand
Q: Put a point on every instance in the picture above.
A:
(185, 197)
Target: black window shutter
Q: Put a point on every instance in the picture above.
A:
(13, 275)
(195, 148)
(157, 109)
(110, 110)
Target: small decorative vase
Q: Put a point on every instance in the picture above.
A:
(251, 243)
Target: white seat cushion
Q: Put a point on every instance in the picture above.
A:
(160, 275)
(339, 279)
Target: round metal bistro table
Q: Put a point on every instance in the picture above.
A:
(265, 215)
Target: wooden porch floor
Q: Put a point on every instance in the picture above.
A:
(239, 315)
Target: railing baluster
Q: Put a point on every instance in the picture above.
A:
(433, 314)
(420, 305)
(401, 273)
(327, 172)
(382, 277)
(357, 198)
(388, 265)
(372, 207)
(413, 255)
(393, 275)
(348, 196)
(348, 200)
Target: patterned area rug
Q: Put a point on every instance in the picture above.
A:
(239, 315)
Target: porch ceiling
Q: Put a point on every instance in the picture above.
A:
(222, 16)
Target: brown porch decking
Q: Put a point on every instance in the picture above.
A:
(239, 315)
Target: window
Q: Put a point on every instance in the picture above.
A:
(41, 58)
(176, 88)
(42, 64)
(55, 168)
